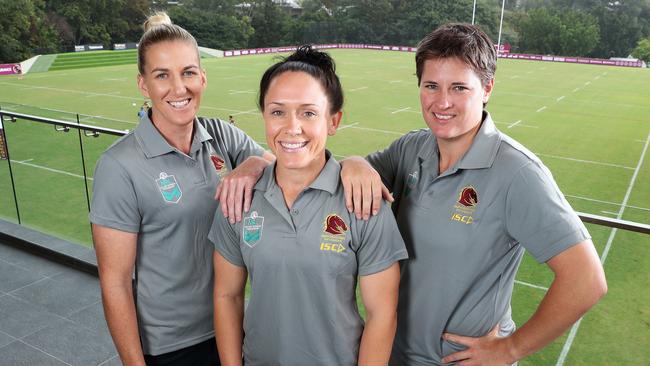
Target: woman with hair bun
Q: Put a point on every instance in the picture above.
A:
(153, 205)
(299, 244)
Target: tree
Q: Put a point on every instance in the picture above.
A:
(272, 25)
(642, 50)
(564, 32)
(212, 29)
(24, 30)
(98, 21)
(620, 28)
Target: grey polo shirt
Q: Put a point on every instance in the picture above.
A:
(303, 266)
(466, 231)
(143, 185)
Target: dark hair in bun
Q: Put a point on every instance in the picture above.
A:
(313, 62)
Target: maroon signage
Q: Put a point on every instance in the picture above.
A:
(10, 69)
(504, 52)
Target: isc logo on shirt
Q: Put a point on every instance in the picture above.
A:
(334, 229)
(465, 219)
(465, 205)
(338, 248)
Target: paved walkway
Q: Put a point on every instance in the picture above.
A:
(50, 314)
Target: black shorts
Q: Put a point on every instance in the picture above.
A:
(202, 354)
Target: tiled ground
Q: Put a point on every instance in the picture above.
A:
(50, 314)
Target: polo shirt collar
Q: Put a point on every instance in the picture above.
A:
(481, 153)
(154, 144)
(327, 179)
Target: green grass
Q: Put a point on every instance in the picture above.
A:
(79, 60)
(591, 134)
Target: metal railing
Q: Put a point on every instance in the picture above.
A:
(85, 130)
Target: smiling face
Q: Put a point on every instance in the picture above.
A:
(298, 121)
(174, 82)
(452, 97)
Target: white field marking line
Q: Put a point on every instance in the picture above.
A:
(603, 257)
(514, 76)
(528, 94)
(378, 130)
(609, 213)
(109, 119)
(606, 202)
(400, 110)
(95, 95)
(347, 126)
(51, 170)
(75, 91)
(585, 161)
(529, 72)
(250, 111)
(639, 141)
(559, 99)
(541, 109)
(23, 161)
(85, 115)
(87, 119)
(46, 75)
(394, 81)
(232, 77)
(587, 83)
(113, 79)
(627, 197)
(232, 92)
(576, 89)
(514, 124)
(519, 125)
(531, 285)
(357, 89)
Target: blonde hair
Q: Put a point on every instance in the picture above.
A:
(157, 18)
(159, 28)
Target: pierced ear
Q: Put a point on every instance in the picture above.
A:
(334, 123)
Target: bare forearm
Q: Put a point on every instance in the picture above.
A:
(562, 306)
(228, 321)
(377, 340)
(119, 309)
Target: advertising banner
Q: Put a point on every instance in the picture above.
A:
(10, 69)
(3, 147)
(503, 52)
(88, 47)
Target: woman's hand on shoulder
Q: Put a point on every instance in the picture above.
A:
(235, 191)
(363, 187)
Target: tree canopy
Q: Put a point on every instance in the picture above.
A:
(597, 28)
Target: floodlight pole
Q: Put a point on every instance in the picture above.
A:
(503, 6)
(473, 12)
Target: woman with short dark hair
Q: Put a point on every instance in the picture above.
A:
(469, 200)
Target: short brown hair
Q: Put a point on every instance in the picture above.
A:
(465, 41)
(159, 28)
